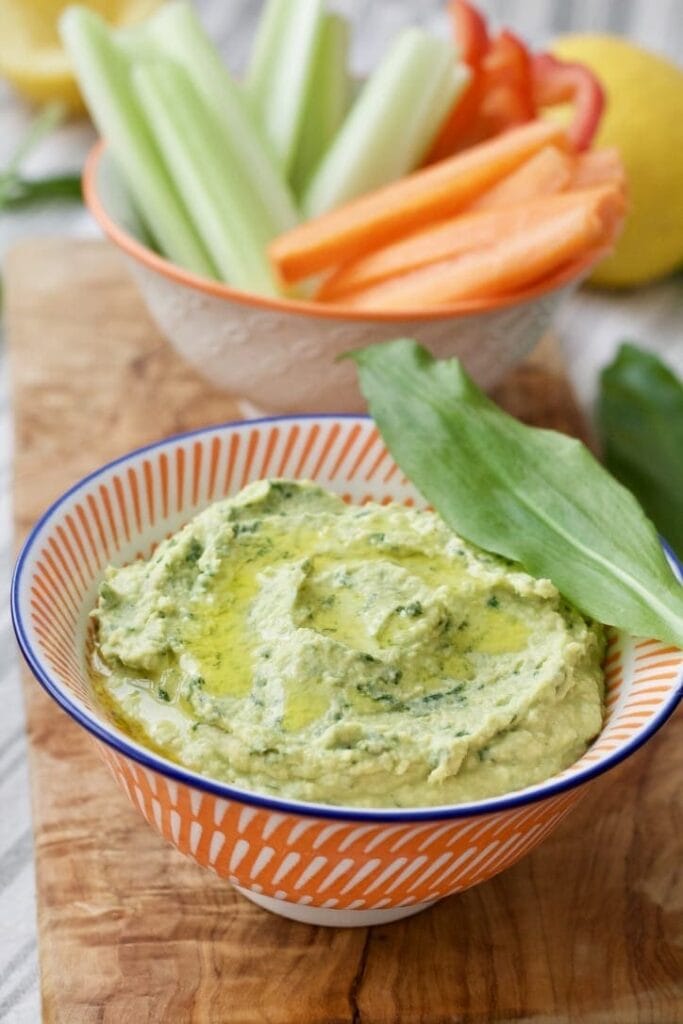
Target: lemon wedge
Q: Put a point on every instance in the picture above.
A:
(31, 54)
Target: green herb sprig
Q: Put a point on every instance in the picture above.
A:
(17, 190)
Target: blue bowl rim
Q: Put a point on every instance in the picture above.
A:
(177, 773)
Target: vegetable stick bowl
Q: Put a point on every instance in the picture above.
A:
(280, 354)
(299, 215)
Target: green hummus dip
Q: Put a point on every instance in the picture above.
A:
(361, 655)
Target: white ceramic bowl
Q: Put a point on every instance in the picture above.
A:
(279, 354)
(311, 862)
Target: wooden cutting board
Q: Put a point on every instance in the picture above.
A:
(589, 928)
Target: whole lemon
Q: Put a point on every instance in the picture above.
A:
(644, 119)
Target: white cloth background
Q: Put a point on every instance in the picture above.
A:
(589, 328)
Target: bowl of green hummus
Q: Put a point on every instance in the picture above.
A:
(311, 685)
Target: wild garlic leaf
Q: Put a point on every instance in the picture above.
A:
(534, 496)
(15, 190)
(41, 126)
(18, 192)
(640, 416)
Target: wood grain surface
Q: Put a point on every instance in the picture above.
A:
(589, 928)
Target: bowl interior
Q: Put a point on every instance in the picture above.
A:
(121, 511)
(119, 202)
(112, 206)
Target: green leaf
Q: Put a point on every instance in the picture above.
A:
(45, 122)
(640, 419)
(15, 190)
(21, 192)
(533, 496)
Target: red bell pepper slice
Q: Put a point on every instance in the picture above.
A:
(472, 37)
(507, 98)
(471, 31)
(458, 122)
(505, 95)
(508, 63)
(508, 59)
(556, 81)
(500, 93)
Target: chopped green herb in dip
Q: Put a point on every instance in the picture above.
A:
(295, 645)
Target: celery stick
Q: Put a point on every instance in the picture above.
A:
(221, 203)
(327, 101)
(392, 123)
(175, 31)
(280, 71)
(103, 75)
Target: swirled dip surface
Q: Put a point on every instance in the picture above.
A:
(362, 655)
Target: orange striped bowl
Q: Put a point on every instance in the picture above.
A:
(328, 865)
(279, 354)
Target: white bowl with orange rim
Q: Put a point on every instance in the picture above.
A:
(310, 862)
(279, 355)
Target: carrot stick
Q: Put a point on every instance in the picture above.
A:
(591, 257)
(379, 217)
(598, 167)
(544, 173)
(439, 241)
(510, 264)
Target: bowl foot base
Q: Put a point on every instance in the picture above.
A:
(329, 917)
